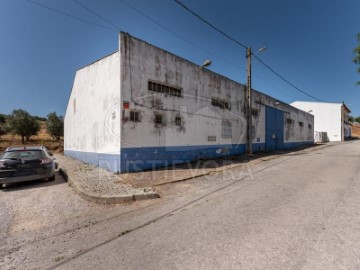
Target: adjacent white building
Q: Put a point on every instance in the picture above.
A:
(142, 107)
(332, 118)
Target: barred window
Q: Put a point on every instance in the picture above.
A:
(211, 138)
(223, 104)
(165, 89)
(226, 131)
(177, 121)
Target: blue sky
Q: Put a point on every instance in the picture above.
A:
(309, 42)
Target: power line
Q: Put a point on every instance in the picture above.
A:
(211, 25)
(69, 15)
(97, 14)
(181, 37)
(174, 33)
(244, 46)
(285, 80)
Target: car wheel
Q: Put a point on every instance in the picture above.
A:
(52, 178)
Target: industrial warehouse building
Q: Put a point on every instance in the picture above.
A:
(331, 120)
(142, 107)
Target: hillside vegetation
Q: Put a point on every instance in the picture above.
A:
(22, 129)
(42, 138)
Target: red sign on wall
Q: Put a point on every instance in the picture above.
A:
(126, 105)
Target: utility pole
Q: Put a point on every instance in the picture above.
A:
(249, 102)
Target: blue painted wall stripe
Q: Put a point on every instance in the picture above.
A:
(146, 158)
(109, 162)
(137, 159)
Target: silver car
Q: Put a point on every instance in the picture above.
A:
(20, 164)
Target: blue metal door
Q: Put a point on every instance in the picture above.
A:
(274, 129)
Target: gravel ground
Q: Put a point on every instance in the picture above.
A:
(96, 180)
(30, 210)
(34, 205)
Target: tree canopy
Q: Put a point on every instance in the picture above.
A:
(2, 118)
(353, 119)
(55, 125)
(20, 122)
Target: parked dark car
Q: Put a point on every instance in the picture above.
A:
(20, 164)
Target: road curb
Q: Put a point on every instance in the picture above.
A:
(104, 199)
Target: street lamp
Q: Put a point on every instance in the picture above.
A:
(249, 97)
(206, 63)
(263, 49)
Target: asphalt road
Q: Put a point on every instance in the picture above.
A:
(296, 211)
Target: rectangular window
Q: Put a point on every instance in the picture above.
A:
(301, 124)
(165, 89)
(310, 126)
(158, 119)
(255, 112)
(211, 138)
(178, 121)
(134, 116)
(223, 104)
(289, 121)
(226, 131)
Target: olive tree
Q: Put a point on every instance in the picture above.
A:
(55, 125)
(20, 122)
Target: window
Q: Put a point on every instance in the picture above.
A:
(158, 119)
(255, 112)
(165, 89)
(226, 131)
(289, 121)
(134, 116)
(301, 124)
(310, 126)
(178, 121)
(211, 138)
(220, 103)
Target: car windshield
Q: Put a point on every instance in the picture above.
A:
(23, 154)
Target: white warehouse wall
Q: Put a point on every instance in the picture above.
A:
(110, 117)
(293, 132)
(145, 141)
(327, 117)
(92, 119)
